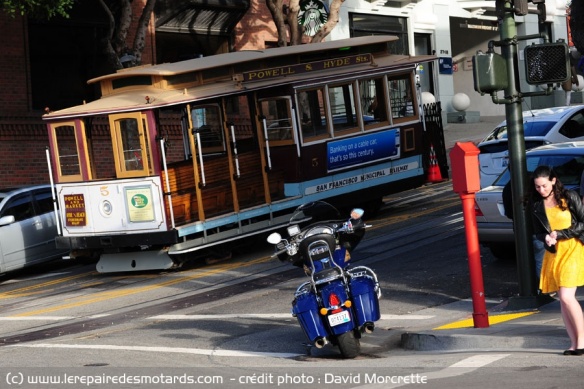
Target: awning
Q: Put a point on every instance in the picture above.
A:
(209, 17)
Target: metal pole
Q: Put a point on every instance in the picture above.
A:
(480, 315)
(515, 132)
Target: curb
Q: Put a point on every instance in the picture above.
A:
(544, 329)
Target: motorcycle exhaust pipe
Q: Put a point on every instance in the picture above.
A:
(369, 328)
(320, 342)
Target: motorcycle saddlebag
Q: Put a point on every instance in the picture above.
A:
(305, 308)
(366, 303)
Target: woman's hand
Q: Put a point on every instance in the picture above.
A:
(551, 238)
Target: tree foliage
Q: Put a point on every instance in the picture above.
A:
(120, 14)
(38, 9)
(285, 16)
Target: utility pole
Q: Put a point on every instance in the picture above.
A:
(516, 138)
(546, 63)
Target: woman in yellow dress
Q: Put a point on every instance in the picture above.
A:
(558, 216)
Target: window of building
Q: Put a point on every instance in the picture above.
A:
(369, 24)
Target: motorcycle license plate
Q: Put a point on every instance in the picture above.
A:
(339, 318)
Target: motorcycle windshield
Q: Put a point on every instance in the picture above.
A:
(314, 212)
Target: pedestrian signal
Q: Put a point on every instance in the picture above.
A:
(547, 63)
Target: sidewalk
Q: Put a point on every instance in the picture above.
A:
(510, 328)
(469, 132)
(540, 329)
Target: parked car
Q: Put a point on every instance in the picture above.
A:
(27, 227)
(541, 126)
(495, 230)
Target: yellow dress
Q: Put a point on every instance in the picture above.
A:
(565, 267)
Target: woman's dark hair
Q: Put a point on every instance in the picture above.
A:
(558, 189)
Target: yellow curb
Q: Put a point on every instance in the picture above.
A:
(495, 319)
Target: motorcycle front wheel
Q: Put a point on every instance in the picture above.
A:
(349, 345)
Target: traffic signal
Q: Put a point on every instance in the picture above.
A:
(489, 72)
(547, 63)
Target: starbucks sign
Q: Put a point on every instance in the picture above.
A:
(312, 15)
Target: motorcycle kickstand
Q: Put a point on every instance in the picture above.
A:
(308, 347)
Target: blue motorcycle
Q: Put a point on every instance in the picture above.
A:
(338, 303)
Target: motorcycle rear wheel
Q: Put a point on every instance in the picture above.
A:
(349, 345)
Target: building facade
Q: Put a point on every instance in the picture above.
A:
(46, 64)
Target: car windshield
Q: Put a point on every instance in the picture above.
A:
(529, 129)
(567, 167)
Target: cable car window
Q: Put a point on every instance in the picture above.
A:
(67, 153)
(207, 124)
(402, 97)
(277, 112)
(129, 141)
(373, 101)
(343, 110)
(312, 110)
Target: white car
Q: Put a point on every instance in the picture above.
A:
(541, 127)
(27, 227)
(495, 230)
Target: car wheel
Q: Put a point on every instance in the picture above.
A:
(503, 251)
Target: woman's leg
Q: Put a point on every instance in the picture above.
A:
(573, 316)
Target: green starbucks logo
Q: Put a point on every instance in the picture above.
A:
(312, 16)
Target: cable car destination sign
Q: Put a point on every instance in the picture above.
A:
(325, 64)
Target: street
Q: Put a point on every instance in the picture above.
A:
(228, 324)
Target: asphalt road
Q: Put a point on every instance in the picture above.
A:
(229, 325)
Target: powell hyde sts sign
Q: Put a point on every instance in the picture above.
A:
(263, 74)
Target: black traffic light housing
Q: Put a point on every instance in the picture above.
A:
(547, 63)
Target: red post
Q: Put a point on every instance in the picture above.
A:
(466, 182)
(480, 315)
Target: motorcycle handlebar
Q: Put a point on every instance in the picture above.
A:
(278, 253)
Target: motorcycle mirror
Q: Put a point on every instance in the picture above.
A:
(357, 213)
(274, 238)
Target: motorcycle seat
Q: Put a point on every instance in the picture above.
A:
(326, 275)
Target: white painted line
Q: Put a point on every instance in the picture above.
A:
(270, 316)
(25, 318)
(180, 350)
(46, 275)
(465, 366)
(477, 361)
(407, 317)
(224, 316)
(50, 318)
(201, 317)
